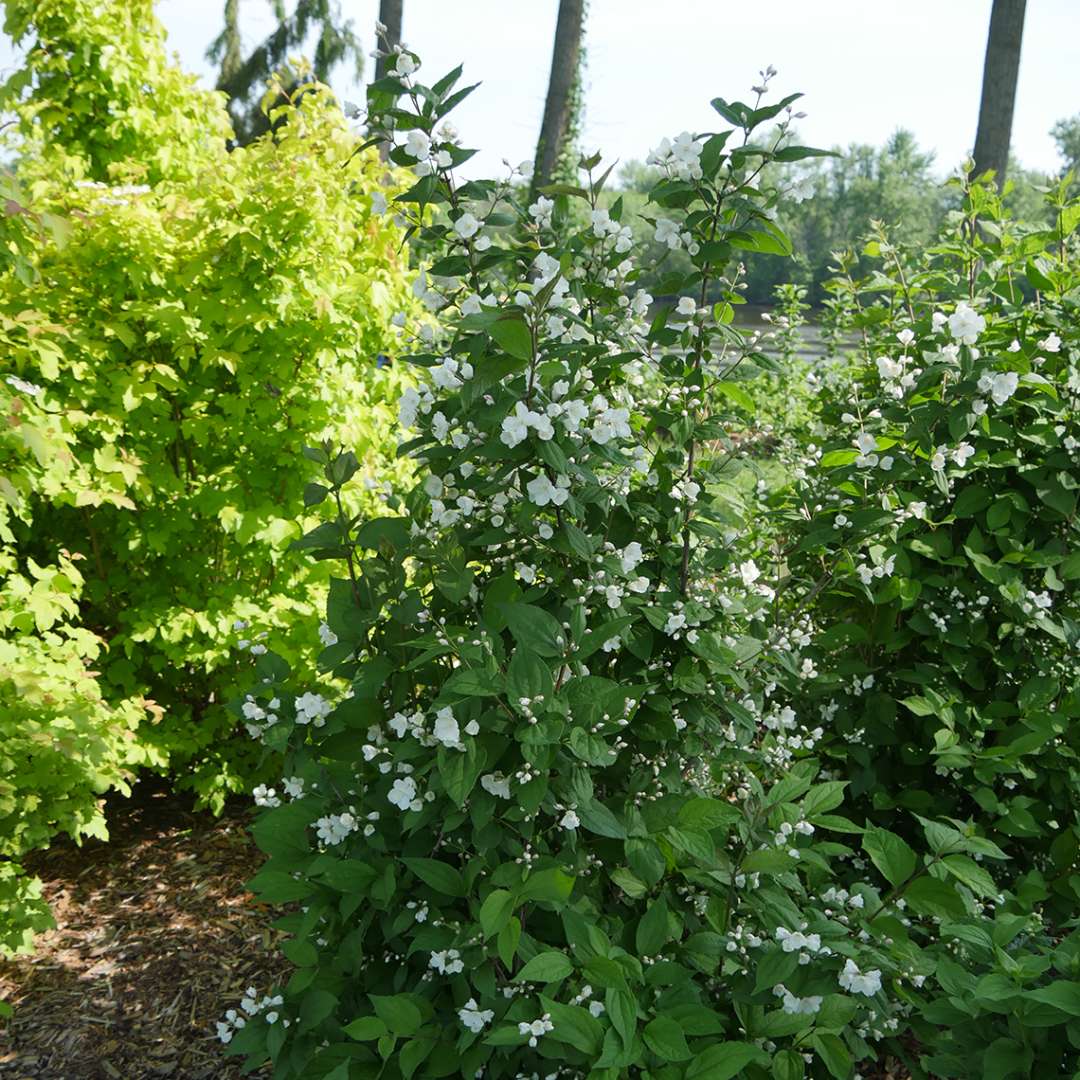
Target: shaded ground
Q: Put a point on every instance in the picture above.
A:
(155, 938)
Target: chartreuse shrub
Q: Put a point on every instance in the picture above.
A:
(932, 541)
(97, 86)
(546, 811)
(61, 744)
(210, 313)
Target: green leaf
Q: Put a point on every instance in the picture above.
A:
(835, 1055)
(823, 797)
(723, 1061)
(528, 676)
(837, 457)
(707, 814)
(597, 818)
(574, 1026)
(1062, 994)
(507, 942)
(414, 1053)
(397, 1012)
(621, 1008)
(788, 1065)
(736, 394)
(279, 887)
(460, 770)
(545, 967)
(514, 336)
(652, 930)
(495, 911)
(890, 854)
(315, 1007)
(367, 1027)
(969, 872)
(551, 884)
(1038, 692)
(439, 875)
(535, 629)
(666, 1040)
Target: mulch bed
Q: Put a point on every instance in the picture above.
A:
(156, 937)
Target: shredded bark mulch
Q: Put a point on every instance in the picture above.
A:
(156, 937)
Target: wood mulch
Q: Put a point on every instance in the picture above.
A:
(156, 937)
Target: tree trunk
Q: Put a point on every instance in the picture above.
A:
(1000, 71)
(557, 111)
(390, 16)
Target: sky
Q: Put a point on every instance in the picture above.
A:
(866, 67)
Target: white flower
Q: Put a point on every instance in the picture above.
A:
(865, 443)
(405, 65)
(496, 784)
(802, 189)
(937, 462)
(537, 1028)
(675, 622)
(542, 491)
(574, 414)
(449, 375)
(570, 820)
(850, 979)
(446, 728)
(749, 572)
(630, 557)
(294, 786)
(402, 792)
(962, 453)
(906, 337)
(326, 635)
(800, 1006)
(1003, 386)
(541, 211)
(408, 404)
(466, 226)
(797, 941)
(333, 828)
(611, 424)
(889, 368)
(447, 962)
(965, 324)
(312, 707)
(667, 232)
(265, 796)
(417, 144)
(686, 306)
(473, 1018)
(1051, 343)
(515, 428)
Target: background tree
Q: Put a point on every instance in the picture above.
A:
(245, 80)
(559, 107)
(1000, 71)
(1066, 134)
(225, 49)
